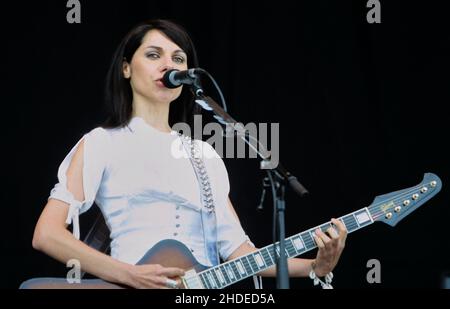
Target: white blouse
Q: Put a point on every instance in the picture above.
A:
(147, 190)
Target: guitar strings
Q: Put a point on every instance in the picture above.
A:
(372, 208)
(374, 212)
(397, 200)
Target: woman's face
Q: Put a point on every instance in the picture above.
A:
(156, 55)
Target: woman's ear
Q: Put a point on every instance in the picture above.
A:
(126, 69)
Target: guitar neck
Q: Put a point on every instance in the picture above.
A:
(248, 265)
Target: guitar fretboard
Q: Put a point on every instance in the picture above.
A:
(389, 208)
(221, 276)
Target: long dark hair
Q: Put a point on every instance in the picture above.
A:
(118, 93)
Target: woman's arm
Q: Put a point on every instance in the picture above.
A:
(52, 237)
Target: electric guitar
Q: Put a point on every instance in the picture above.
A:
(389, 208)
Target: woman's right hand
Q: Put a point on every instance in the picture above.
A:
(152, 276)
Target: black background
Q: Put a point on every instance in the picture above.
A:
(361, 109)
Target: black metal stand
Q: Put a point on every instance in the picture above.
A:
(278, 190)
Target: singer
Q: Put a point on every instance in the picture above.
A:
(145, 194)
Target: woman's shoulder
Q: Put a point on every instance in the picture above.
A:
(99, 133)
(101, 136)
(108, 138)
(207, 150)
(105, 133)
(213, 160)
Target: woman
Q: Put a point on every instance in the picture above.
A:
(146, 194)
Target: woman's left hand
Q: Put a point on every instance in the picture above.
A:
(330, 248)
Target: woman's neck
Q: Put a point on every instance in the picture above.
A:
(154, 114)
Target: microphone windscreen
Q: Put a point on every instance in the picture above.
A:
(168, 81)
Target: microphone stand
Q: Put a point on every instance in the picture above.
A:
(278, 177)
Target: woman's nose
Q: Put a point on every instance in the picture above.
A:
(165, 68)
(167, 64)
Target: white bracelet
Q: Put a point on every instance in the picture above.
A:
(317, 280)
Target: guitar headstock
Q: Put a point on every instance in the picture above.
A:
(391, 208)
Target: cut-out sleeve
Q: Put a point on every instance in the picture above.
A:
(94, 164)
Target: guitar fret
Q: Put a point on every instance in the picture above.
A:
(259, 260)
(266, 255)
(277, 250)
(312, 233)
(253, 264)
(234, 267)
(356, 221)
(342, 221)
(308, 241)
(241, 267)
(286, 252)
(248, 268)
(350, 222)
(219, 276)
(298, 244)
(271, 250)
(214, 276)
(230, 272)
(362, 217)
(290, 248)
(325, 227)
(224, 274)
(204, 281)
(211, 279)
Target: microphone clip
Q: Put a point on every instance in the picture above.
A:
(197, 88)
(265, 185)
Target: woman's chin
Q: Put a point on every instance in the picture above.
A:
(165, 99)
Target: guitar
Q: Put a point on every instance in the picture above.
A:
(389, 208)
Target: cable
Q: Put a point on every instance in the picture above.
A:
(222, 98)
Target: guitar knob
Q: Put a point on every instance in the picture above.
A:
(415, 196)
(398, 208)
(424, 189)
(406, 202)
(433, 183)
(389, 215)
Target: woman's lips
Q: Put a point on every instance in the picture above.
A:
(159, 83)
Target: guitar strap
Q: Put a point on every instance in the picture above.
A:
(208, 212)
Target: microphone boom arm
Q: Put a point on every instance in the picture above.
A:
(223, 117)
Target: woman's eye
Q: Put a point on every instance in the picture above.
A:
(178, 59)
(153, 55)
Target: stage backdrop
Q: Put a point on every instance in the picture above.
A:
(360, 107)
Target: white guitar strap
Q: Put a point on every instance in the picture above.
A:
(208, 212)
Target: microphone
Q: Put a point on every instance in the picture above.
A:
(175, 78)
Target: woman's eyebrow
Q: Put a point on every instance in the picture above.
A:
(161, 49)
(155, 47)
